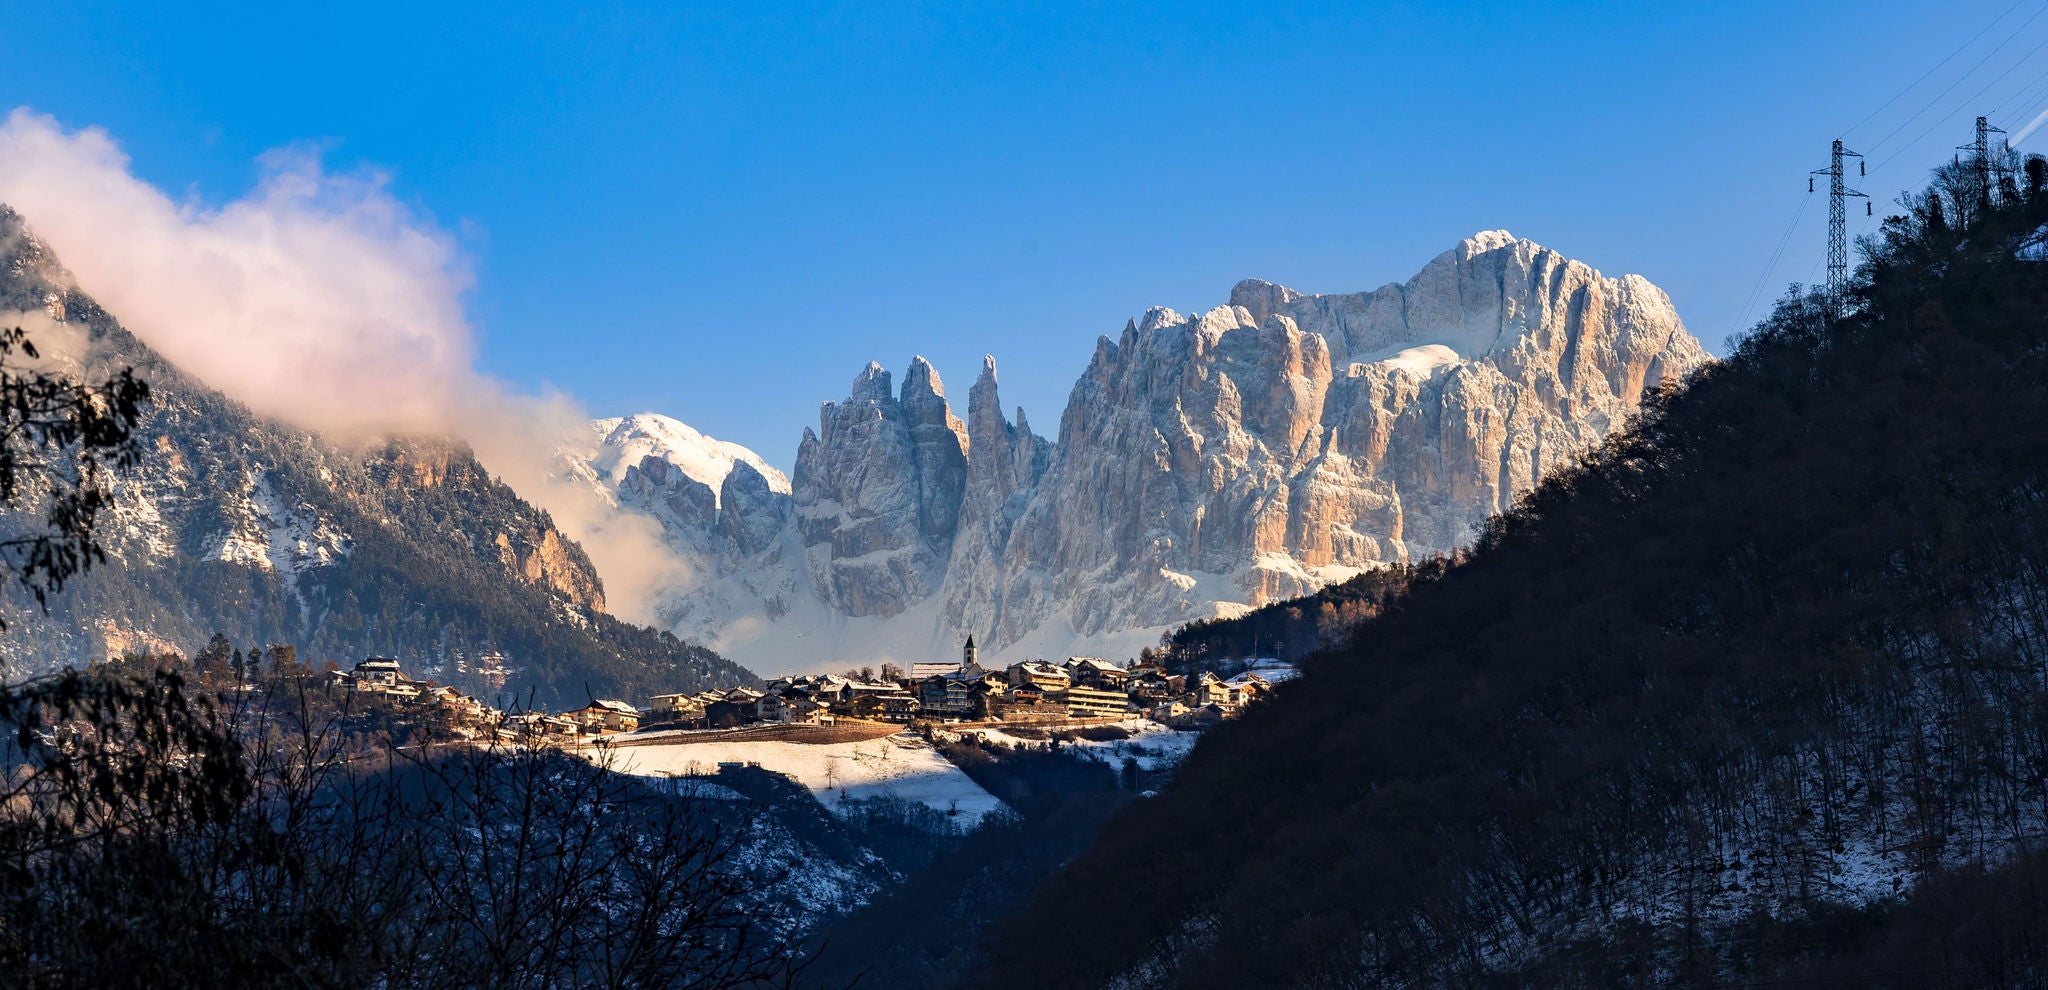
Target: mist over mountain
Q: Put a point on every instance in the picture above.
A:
(1204, 464)
(240, 524)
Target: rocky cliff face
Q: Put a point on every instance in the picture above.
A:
(1204, 463)
(877, 492)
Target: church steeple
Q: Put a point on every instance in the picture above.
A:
(969, 656)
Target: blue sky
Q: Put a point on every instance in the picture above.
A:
(721, 212)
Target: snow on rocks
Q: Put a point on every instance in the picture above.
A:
(275, 536)
(623, 442)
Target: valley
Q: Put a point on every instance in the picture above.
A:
(525, 497)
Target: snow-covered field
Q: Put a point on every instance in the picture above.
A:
(902, 766)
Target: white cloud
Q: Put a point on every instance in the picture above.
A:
(319, 299)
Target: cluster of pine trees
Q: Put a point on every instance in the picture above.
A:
(1291, 629)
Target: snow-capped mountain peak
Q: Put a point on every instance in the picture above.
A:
(623, 442)
(1205, 463)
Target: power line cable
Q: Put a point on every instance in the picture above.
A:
(1777, 253)
(2033, 91)
(1960, 79)
(1965, 104)
(1756, 291)
(2031, 52)
(1937, 68)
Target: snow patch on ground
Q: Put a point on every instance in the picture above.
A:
(1154, 746)
(273, 536)
(138, 524)
(901, 766)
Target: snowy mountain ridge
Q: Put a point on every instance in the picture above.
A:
(1204, 464)
(622, 442)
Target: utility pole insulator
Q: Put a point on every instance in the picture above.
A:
(1838, 229)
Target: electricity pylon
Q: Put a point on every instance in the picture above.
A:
(1838, 229)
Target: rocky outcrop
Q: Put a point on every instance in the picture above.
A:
(1204, 463)
(877, 492)
(1006, 463)
(539, 555)
(751, 512)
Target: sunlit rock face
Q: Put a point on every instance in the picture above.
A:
(1203, 464)
(877, 492)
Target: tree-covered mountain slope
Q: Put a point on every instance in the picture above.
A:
(403, 547)
(1758, 691)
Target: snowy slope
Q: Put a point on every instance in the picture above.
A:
(622, 442)
(900, 766)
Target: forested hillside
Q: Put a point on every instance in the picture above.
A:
(231, 523)
(1758, 692)
(1294, 628)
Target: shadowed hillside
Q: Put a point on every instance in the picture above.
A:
(1713, 706)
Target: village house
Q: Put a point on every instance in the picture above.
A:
(1245, 688)
(1096, 673)
(1155, 687)
(533, 725)
(377, 673)
(948, 695)
(894, 706)
(448, 697)
(1168, 713)
(803, 711)
(1047, 676)
(675, 708)
(858, 689)
(379, 676)
(1097, 702)
(671, 702)
(605, 716)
